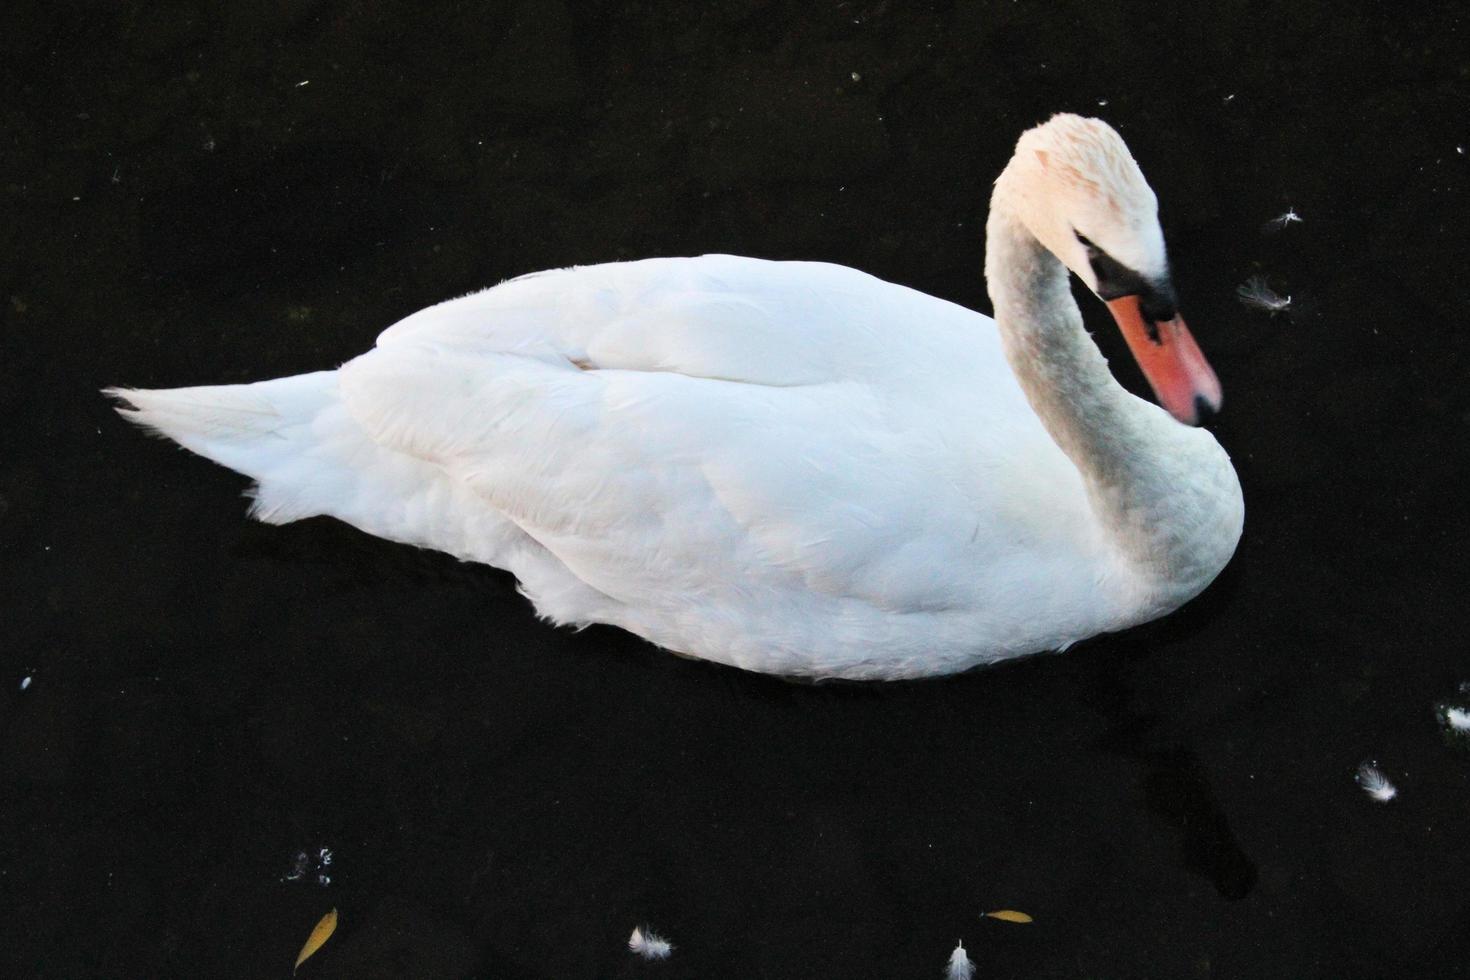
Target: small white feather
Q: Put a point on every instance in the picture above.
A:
(1375, 783)
(1455, 718)
(960, 967)
(1282, 221)
(1256, 294)
(649, 945)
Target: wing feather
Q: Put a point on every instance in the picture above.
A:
(716, 428)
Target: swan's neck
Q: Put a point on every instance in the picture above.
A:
(1164, 493)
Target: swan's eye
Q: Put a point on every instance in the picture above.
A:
(1114, 279)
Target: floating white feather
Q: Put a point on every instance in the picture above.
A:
(1375, 783)
(1455, 718)
(1256, 294)
(649, 945)
(960, 967)
(1282, 221)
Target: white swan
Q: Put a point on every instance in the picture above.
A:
(790, 467)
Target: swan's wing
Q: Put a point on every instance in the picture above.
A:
(685, 430)
(715, 316)
(655, 487)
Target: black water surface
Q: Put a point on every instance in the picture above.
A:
(203, 193)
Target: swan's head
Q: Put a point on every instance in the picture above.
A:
(1076, 188)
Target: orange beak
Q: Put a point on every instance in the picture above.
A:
(1179, 374)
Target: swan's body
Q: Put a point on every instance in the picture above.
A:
(790, 467)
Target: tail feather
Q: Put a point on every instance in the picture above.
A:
(202, 413)
(264, 430)
(308, 456)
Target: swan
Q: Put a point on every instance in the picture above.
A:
(789, 467)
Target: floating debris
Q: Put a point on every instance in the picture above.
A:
(649, 945)
(1281, 222)
(1009, 915)
(1258, 296)
(299, 866)
(1374, 782)
(306, 864)
(1455, 720)
(25, 682)
(317, 939)
(960, 967)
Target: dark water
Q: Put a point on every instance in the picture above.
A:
(200, 193)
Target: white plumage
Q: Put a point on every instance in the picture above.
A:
(791, 467)
(959, 966)
(649, 945)
(1375, 782)
(1454, 717)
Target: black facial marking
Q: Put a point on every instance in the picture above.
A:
(1204, 412)
(1116, 280)
(1156, 301)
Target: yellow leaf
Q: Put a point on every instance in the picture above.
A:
(1007, 915)
(318, 938)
